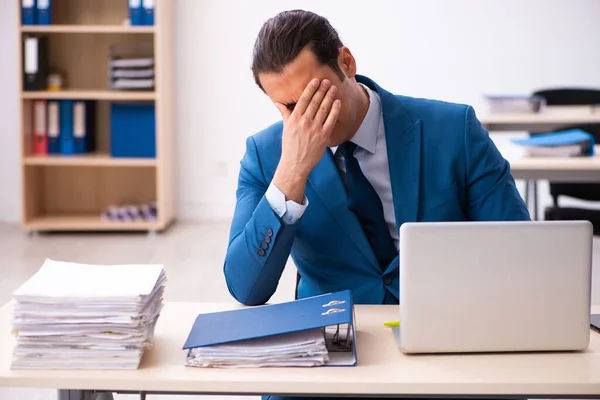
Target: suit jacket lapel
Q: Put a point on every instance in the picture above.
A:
(404, 149)
(327, 183)
(403, 139)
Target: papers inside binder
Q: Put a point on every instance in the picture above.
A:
(312, 348)
(306, 348)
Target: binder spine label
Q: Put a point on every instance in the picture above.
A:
(53, 125)
(79, 120)
(31, 55)
(40, 118)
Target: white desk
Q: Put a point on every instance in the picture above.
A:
(382, 370)
(557, 169)
(538, 122)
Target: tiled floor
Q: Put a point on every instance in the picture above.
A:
(192, 254)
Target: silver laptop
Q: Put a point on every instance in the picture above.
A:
(495, 286)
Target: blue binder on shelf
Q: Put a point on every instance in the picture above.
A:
(135, 12)
(148, 12)
(28, 12)
(84, 126)
(133, 130)
(67, 144)
(568, 137)
(43, 12)
(334, 313)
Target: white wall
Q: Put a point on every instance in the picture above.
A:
(10, 186)
(452, 50)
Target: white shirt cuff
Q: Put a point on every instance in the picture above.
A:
(289, 211)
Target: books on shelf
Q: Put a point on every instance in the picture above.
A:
(568, 143)
(81, 316)
(141, 12)
(35, 12)
(65, 127)
(39, 12)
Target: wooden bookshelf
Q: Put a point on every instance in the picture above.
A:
(70, 192)
(87, 29)
(112, 95)
(96, 159)
(92, 222)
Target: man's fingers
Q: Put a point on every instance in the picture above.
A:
(325, 106)
(308, 93)
(332, 118)
(285, 112)
(315, 101)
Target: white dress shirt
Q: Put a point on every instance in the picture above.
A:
(371, 154)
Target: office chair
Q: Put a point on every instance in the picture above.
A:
(581, 191)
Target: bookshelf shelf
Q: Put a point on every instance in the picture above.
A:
(84, 223)
(90, 160)
(67, 192)
(112, 95)
(122, 29)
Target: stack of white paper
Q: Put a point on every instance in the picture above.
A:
(79, 316)
(554, 151)
(297, 349)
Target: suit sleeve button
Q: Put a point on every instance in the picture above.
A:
(267, 239)
(260, 252)
(264, 245)
(269, 232)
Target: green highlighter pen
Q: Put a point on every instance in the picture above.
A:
(391, 324)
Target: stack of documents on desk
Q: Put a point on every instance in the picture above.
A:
(569, 143)
(78, 316)
(303, 333)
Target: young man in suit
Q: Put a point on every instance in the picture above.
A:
(348, 164)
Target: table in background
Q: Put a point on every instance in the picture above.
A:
(555, 169)
(382, 370)
(537, 122)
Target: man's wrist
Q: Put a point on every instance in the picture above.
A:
(291, 184)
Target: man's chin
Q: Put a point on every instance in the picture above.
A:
(335, 141)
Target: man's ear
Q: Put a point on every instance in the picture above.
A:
(347, 62)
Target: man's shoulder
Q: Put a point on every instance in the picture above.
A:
(420, 107)
(268, 136)
(264, 148)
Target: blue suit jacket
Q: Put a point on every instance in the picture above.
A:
(443, 167)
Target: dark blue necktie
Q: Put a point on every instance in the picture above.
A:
(364, 202)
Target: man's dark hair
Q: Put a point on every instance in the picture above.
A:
(284, 36)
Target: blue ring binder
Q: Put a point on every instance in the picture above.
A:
(336, 323)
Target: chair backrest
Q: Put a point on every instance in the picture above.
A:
(570, 96)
